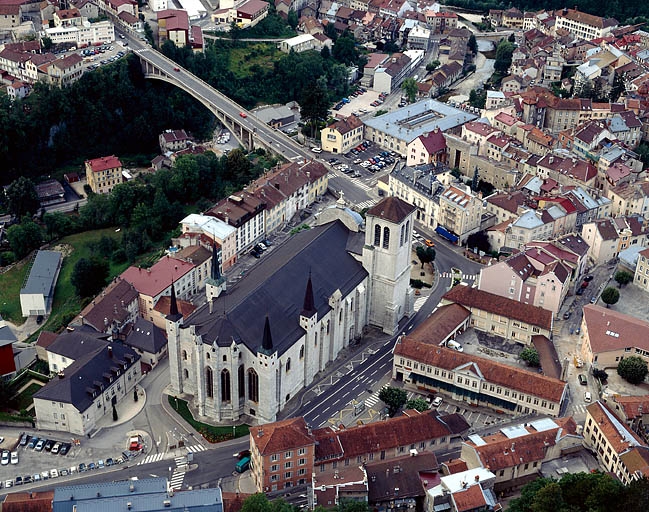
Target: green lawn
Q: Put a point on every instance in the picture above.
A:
(24, 400)
(10, 284)
(262, 55)
(211, 433)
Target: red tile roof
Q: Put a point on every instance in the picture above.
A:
(164, 304)
(155, 280)
(632, 406)
(434, 142)
(392, 209)
(34, 501)
(494, 372)
(46, 338)
(608, 330)
(104, 163)
(485, 301)
(346, 125)
(281, 436)
(469, 499)
(619, 436)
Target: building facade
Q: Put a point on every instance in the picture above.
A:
(103, 174)
(342, 136)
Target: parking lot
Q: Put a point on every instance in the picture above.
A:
(96, 56)
(361, 104)
(28, 458)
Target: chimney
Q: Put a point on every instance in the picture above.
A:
(477, 478)
(61, 374)
(110, 351)
(260, 433)
(131, 488)
(129, 505)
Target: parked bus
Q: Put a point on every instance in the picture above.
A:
(242, 465)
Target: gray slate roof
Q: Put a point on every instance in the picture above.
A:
(43, 273)
(7, 337)
(88, 373)
(146, 336)
(78, 343)
(148, 495)
(276, 286)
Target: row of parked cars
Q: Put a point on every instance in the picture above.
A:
(42, 444)
(260, 248)
(379, 101)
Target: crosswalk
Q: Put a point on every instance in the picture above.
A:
(419, 303)
(374, 398)
(178, 475)
(195, 448)
(151, 458)
(366, 204)
(451, 275)
(579, 409)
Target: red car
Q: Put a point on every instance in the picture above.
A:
(176, 69)
(243, 114)
(584, 284)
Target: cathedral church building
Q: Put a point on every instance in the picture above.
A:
(244, 354)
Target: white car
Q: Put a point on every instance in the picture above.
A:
(438, 401)
(14, 457)
(9, 483)
(316, 150)
(5, 458)
(54, 473)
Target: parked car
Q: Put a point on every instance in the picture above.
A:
(109, 462)
(5, 458)
(580, 291)
(24, 439)
(48, 445)
(101, 464)
(437, 402)
(33, 442)
(585, 284)
(36, 477)
(64, 472)
(82, 468)
(65, 448)
(588, 278)
(255, 253)
(14, 457)
(91, 466)
(8, 484)
(317, 150)
(54, 473)
(593, 300)
(56, 448)
(587, 397)
(566, 315)
(27, 479)
(582, 379)
(18, 480)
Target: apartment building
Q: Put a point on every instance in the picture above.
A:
(342, 135)
(583, 25)
(641, 274)
(609, 336)
(102, 174)
(428, 148)
(204, 230)
(460, 212)
(244, 212)
(618, 449)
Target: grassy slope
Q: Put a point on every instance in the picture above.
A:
(263, 55)
(10, 284)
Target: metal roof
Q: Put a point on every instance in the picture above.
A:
(42, 276)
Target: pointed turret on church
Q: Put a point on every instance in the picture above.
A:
(252, 348)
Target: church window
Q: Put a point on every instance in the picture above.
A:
(401, 237)
(209, 382)
(407, 230)
(377, 235)
(288, 365)
(242, 382)
(253, 386)
(316, 339)
(225, 358)
(302, 348)
(226, 395)
(207, 355)
(328, 326)
(386, 237)
(340, 317)
(186, 373)
(184, 355)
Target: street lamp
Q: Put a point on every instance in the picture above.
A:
(234, 431)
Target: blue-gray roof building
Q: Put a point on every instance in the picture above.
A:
(147, 495)
(37, 294)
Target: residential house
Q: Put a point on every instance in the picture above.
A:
(441, 22)
(205, 230)
(346, 484)
(583, 25)
(33, 501)
(501, 316)
(618, 449)
(250, 13)
(7, 360)
(149, 341)
(281, 454)
(97, 376)
(429, 148)
(515, 453)
(37, 294)
(632, 410)
(609, 336)
(506, 206)
(174, 140)
(459, 214)
(641, 274)
(464, 491)
(50, 192)
(64, 71)
(112, 310)
(10, 15)
(102, 174)
(629, 198)
(607, 237)
(298, 44)
(390, 76)
(534, 277)
(342, 135)
(162, 310)
(477, 133)
(244, 212)
(168, 276)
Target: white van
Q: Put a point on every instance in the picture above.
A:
(587, 396)
(454, 345)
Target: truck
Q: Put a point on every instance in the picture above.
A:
(242, 465)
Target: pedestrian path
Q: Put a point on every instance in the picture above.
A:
(366, 204)
(151, 458)
(579, 409)
(195, 448)
(360, 184)
(419, 303)
(374, 398)
(177, 479)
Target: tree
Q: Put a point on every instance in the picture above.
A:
(418, 404)
(409, 87)
(349, 505)
(633, 369)
(344, 49)
(24, 237)
(610, 296)
(46, 43)
(623, 277)
(478, 98)
(292, 19)
(432, 65)
(504, 53)
(473, 44)
(256, 503)
(474, 181)
(235, 32)
(394, 398)
(22, 198)
(148, 33)
(89, 276)
(425, 255)
(314, 104)
(530, 356)
(479, 241)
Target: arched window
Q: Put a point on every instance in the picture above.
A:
(377, 235)
(241, 378)
(226, 395)
(407, 230)
(225, 358)
(403, 228)
(340, 316)
(316, 339)
(184, 355)
(253, 385)
(209, 382)
(386, 237)
(288, 365)
(186, 373)
(302, 347)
